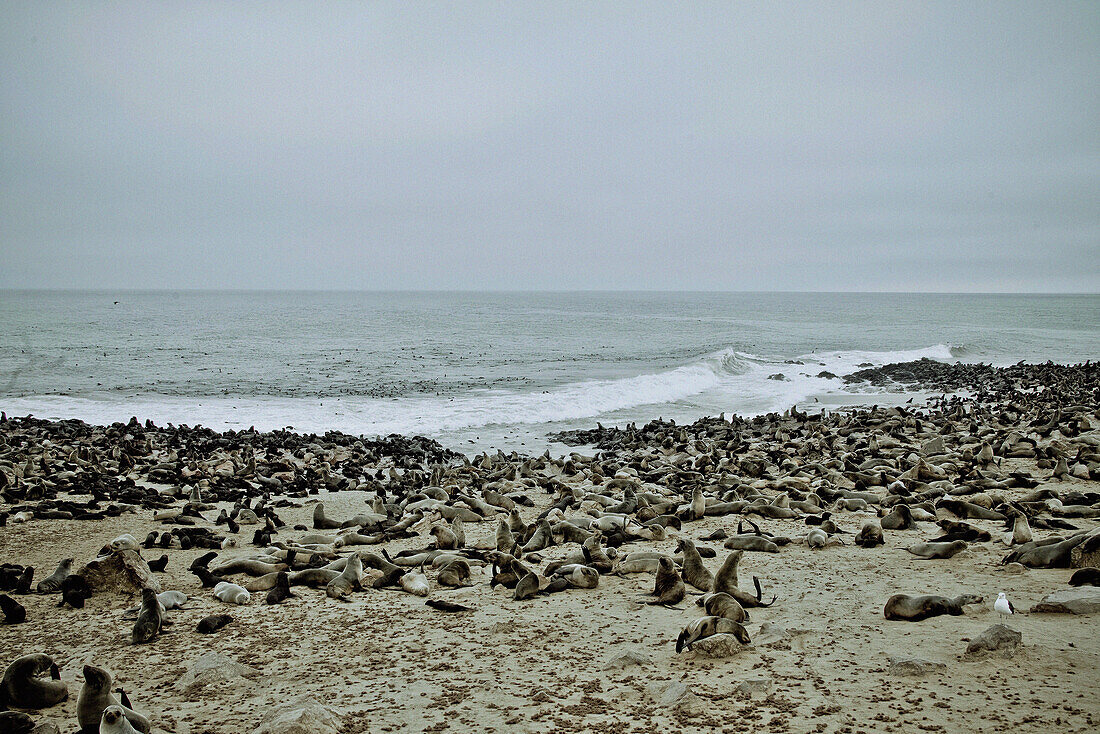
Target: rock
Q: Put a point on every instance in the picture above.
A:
(122, 571)
(933, 446)
(755, 686)
(211, 668)
(627, 659)
(913, 666)
(717, 646)
(826, 374)
(1081, 600)
(304, 715)
(996, 637)
(770, 634)
(677, 696)
(47, 727)
(1014, 568)
(779, 376)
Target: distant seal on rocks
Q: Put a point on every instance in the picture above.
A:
(52, 583)
(96, 696)
(914, 608)
(114, 721)
(150, 617)
(702, 627)
(22, 688)
(693, 571)
(937, 550)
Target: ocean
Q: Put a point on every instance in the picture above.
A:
(480, 371)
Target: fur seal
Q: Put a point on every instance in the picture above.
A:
(937, 550)
(232, 593)
(702, 627)
(96, 696)
(726, 578)
(114, 721)
(213, 623)
(723, 605)
(1049, 553)
(281, 591)
(22, 688)
(1081, 577)
(320, 522)
(348, 581)
(454, 573)
(415, 582)
(16, 722)
(668, 587)
(157, 565)
(52, 583)
(14, 612)
(150, 618)
(869, 535)
(526, 587)
(914, 608)
(693, 571)
(899, 518)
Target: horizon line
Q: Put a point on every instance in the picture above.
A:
(49, 289)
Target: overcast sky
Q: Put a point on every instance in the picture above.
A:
(865, 146)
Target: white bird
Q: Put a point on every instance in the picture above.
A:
(1003, 606)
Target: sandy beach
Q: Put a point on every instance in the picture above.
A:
(822, 658)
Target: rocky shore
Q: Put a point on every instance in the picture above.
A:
(537, 570)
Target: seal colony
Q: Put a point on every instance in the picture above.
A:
(898, 525)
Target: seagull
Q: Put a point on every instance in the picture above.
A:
(1003, 606)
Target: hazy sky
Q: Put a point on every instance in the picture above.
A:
(864, 146)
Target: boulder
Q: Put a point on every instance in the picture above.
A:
(755, 686)
(1080, 600)
(304, 715)
(997, 637)
(626, 660)
(1081, 558)
(212, 668)
(677, 695)
(123, 571)
(913, 666)
(717, 646)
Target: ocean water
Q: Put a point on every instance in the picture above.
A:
(489, 370)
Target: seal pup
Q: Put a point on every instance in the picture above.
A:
(454, 573)
(150, 619)
(232, 593)
(869, 535)
(14, 612)
(23, 585)
(415, 582)
(693, 571)
(1085, 577)
(22, 688)
(702, 627)
(914, 608)
(74, 591)
(281, 591)
(668, 587)
(96, 696)
(937, 550)
(213, 623)
(114, 721)
(158, 565)
(52, 583)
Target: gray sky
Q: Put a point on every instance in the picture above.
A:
(866, 146)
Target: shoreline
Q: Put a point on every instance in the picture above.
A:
(586, 659)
